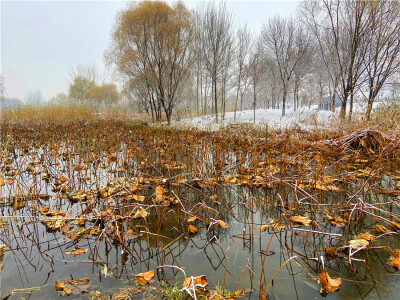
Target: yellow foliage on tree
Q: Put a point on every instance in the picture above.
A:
(151, 41)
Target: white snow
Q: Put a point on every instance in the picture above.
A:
(306, 118)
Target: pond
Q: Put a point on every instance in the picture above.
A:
(261, 221)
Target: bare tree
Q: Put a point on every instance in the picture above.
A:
(383, 46)
(288, 43)
(243, 47)
(340, 27)
(255, 73)
(88, 71)
(217, 34)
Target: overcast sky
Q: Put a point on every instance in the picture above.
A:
(42, 40)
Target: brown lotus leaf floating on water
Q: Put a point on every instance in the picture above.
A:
(331, 252)
(77, 251)
(237, 294)
(367, 236)
(222, 224)
(197, 281)
(327, 283)
(144, 278)
(395, 259)
(192, 219)
(138, 198)
(140, 213)
(381, 228)
(335, 220)
(192, 229)
(358, 243)
(75, 287)
(81, 221)
(160, 191)
(301, 220)
(130, 235)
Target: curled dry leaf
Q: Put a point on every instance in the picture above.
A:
(327, 283)
(301, 220)
(144, 278)
(130, 235)
(331, 252)
(81, 221)
(138, 198)
(238, 293)
(160, 191)
(140, 213)
(395, 260)
(192, 229)
(367, 236)
(335, 220)
(358, 243)
(192, 219)
(222, 224)
(264, 227)
(395, 225)
(381, 228)
(77, 251)
(45, 209)
(197, 281)
(63, 179)
(73, 286)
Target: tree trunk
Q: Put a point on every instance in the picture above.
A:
(215, 98)
(284, 102)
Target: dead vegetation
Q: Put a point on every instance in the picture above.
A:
(100, 184)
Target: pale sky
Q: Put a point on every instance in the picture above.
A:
(42, 40)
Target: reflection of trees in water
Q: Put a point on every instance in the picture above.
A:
(33, 251)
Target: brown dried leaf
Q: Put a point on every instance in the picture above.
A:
(144, 278)
(367, 236)
(192, 219)
(335, 220)
(77, 251)
(138, 198)
(222, 224)
(140, 213)
(63, 179)
(301, 220)
(160, 191)
(327, 283)
(395, 225)
(196, 281)
(395, 260)
(381, 228)
(81, 222)
(192, 229)
(331, 251)
(72, 286)
(358, 243)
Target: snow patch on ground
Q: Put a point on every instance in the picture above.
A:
(305, 118)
